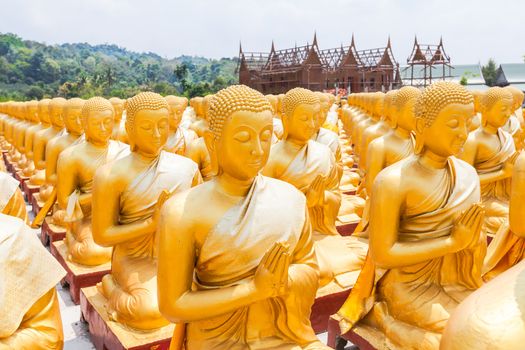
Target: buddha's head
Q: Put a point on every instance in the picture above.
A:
(478, 97)
(197, 106)
(56, 109)
(206, 100)
(443, 111)
(324, 99)
(118, 107)
(32, 110)
(274, 100)
(240, 132)
(98, 120)
(497, 107)
(43, 111)
(404, 104)
(176, 106)
(517, 96)
(301, 112)
(147, 123)
(280, 99)
(390, 108)
(72, 116)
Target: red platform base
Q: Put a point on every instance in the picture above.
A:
(106, 334)
(21, 178)
(325, 306)
(77, 276)
(29, 189)
(51, 233)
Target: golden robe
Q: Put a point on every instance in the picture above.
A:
(495, 195)
(178, 142)
(336, 255)
(30, 314)
(11, 198)
(133, 278)
(272, 211)
(505, 251)
(416, 301)
(82, 249)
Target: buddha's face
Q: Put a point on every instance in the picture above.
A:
(72, 120)
(99, 126)
(43, 113)
(301, 126)
(197, 106)
(498, 114)
(176, 109)
(55, 115)
(150, 131)
(406, 115)
(244, 145)
(119, 109)
(448, 133)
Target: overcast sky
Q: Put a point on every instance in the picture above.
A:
(472, 30)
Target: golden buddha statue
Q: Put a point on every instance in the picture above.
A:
(197, 150)
(180, 138)
(478, 104)
(125, 211)
(14, 131)
(200, 106)
(19, 133)
(75, 171)
(40, 139)
(30, 308)
(251, 254)
(364, 120)
(277, 123)
(118, 107)
(491, 151)
(425, 232)
(311, 167)
(11, 198)
(31, 108)
(508, 246)
(378, 128)
(34, 108)
(515, 125)
(393, 146)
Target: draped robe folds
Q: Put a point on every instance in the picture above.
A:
(11, 198)
(178, 142)
(505, 251)
(82, 249)
(495, 195)
(330, 139)
(336, 255)
(134, 262)
(272, 211)
(419, 298)
(28, 273)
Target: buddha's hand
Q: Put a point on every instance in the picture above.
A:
(163, 197)
(508, 167)
(467, 227)
(271, 277)
(315, 194)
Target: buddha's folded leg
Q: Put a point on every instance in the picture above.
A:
(496, 213)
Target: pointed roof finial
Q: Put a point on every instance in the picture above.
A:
(352, 44)
(240, 47)
(389, 45)
(441, 40)
(273, 47)
(415, 40)
(315, 39)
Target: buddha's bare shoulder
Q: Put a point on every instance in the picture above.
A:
(186, 204)
(397, 175)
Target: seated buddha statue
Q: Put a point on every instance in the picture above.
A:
(72, 121)
(34, 110)
(31, 110)
(197, 150)
(179, 138)
(75, 171)
(19, 133)
(30, 308)
(311, 167)
(125, 211)
(11, 198)
(245, 276)
(393, 146)
(118, 107)
(200, 123)
(41, 137)
(515, 125)
(478, 103)
(508, 246)
(57, 109)
(377, 129)
(14, 130)
(425, 231)
(491, 151)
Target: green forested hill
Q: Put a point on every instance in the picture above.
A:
(30, 70)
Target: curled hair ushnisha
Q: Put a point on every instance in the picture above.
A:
(95, 104)
(298, 96)
(517, 94)
(233, 99)
(144, 100)
(495, 94)
(404, 95)
(437, 96)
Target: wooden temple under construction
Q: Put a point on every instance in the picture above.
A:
(307, 66)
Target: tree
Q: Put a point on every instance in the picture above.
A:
(489, 72)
